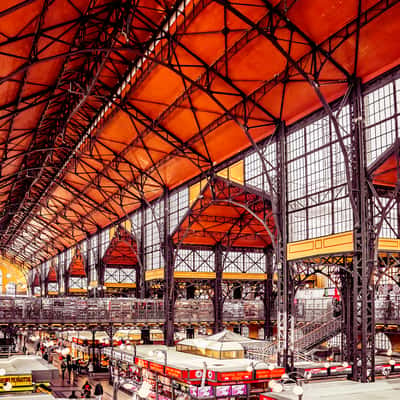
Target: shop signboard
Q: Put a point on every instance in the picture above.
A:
(16, 380)
(277, 372)
(263, 373)
(156, 367)
(211, 375)
(174, 372)
(195, 374)
(234, 376)
(239, 390)
(340, 370)
(223, 391)
(317, 371)
(141, 363)
(204, 392)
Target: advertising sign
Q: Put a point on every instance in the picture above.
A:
(234, 376)
(16, 380)
(205, 391)
(222, 391)
(174, 372)
(141, 363)
(340, 370)
(317, 371)
(239, 390)
(156, 367)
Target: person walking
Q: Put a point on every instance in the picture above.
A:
(98, 391)
(69, 367)
(87, 389)
(90, 369)
(63, 368)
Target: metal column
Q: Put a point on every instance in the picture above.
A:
(268, 294)
(169, 281)
(285, 319)
(218, 296)
(362, 302)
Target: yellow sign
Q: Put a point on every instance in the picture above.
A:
(16, 380)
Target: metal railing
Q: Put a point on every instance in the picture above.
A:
(131, 310)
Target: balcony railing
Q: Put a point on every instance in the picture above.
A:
(131, 310)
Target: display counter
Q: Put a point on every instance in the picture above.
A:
(23, 372)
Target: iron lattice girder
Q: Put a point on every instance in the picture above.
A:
(81, 126)
(68, 118)
(43, 161)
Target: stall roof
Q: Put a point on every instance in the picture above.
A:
(385, 171)
(52, 274)
(122, 250)
(102, 110)
(227, 213)
(77, 266)
(183, 360)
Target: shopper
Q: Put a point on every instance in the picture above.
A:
(63, 368)
(69, 367)
(98, 391)
(87, 389)
(73, 395)
(90, 369)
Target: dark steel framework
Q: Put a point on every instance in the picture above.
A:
(71, 115)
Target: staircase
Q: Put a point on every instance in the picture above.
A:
(305, 338)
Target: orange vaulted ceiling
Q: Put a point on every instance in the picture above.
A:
(104, 102)
(229, 214)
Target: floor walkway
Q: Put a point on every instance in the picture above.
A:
(62, 389)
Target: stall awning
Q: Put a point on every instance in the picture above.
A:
(122, 250)
(77, 266)
(36, 281)
(385, 171)
(227, 213)
(52, 275)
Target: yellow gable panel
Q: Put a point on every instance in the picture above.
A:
(234, 172)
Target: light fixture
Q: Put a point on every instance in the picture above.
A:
(151, 353)
(327, 365)
(2, 371)
(277, 388)
(7, 386)
(272, 383)
(285, 376)
(392, 362)
(308, 375)
(345, 364)
(298, 390)
(389, 352)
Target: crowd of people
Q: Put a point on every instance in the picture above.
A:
(70, 369)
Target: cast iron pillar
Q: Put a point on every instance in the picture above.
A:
(285, 320)
(218, 296)
(268, 297)
(362, 338)
(169, 282)
(46, 286)
(66, 277)
(141, 270)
